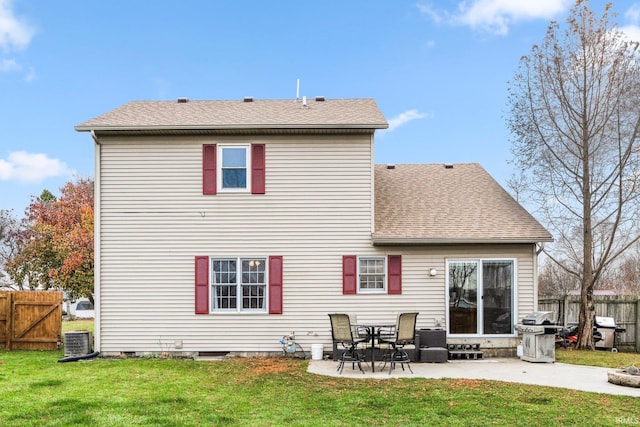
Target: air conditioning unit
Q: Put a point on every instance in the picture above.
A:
(77, 343)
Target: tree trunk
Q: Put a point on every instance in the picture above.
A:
(587, 308)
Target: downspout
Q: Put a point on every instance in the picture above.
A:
(372, 192)
(96, 242)
(537, 250)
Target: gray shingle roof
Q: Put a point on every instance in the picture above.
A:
(462, 204)
(259, 114)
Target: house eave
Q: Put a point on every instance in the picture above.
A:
(368, 128)
(423, 241)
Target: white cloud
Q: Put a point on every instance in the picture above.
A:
(496, 16)
(15, 34)
(404, 118)
(428, 9)
(633, 14)
(31, 167)
(7, 65)
(31, 75)
(631, 31)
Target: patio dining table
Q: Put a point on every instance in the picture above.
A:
(373, 331)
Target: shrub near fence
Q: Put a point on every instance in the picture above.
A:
(30, 320)
(625, 310)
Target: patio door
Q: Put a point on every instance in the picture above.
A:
(480, 297)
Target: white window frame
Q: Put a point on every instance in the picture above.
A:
(385, 275)
(480, 297)
(239, 285)
(219, 180)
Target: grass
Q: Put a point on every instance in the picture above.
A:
(77, 325)
(35, 390)
(605, 359)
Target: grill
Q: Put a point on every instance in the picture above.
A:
(538, 337)
(608, 329)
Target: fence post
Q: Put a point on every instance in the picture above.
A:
(9, 320)
(638, 325)
(565, 309)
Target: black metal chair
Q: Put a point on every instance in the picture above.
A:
(342, 333)
(405, 334)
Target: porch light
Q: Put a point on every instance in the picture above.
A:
(433, 272)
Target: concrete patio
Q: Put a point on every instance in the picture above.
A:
(576, 377)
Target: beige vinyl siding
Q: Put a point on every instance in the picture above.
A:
(155, 219)
(318, 207)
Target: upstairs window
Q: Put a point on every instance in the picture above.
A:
(234, 173)
(239, 168)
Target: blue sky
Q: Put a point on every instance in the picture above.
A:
(437, 69)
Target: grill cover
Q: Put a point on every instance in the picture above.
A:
(605, 322)
(538, 318)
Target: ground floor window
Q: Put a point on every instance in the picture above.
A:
(372, 274)
(239, 284)
(481, 296)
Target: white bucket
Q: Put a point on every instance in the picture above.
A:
(519, 351)
(316, 351)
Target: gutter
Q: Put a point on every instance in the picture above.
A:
(84, 128)
(381, 241)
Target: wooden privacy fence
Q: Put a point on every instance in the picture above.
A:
(30, 320)
(625, 311)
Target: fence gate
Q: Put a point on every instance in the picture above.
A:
(30, 320)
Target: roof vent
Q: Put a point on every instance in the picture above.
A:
(183, 100)
(391, 166)
(248, 99)
(319, 98)
(448, 165)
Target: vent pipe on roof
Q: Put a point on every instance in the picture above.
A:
(304, 102)
(248, 99)
(183, 100)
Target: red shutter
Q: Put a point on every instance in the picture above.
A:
(209, 169)
(394, 274)
(202, 284)
(349, 274)
(257, 169)
(275, 285)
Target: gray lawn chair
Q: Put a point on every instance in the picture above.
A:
(342, 333)
(405, 334)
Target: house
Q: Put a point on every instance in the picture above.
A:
(222, 226)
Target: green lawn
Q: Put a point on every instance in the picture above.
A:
(35, 390)
(605, 359)
(77, 325)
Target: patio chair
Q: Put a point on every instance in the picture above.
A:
(342, 334)
(405, 334)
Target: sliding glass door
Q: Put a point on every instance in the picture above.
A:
(481, 297)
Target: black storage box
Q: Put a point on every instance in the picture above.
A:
(433, 345)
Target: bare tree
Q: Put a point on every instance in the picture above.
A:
(555, 280)
(9, 229)
(575, 118)
(624, 276)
